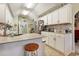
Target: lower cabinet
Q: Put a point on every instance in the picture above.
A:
(60, 42)
(45, 38)
(68, 43)
(51, 39)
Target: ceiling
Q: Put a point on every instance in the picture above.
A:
(38, 10)
(16, 8)
(43, 7)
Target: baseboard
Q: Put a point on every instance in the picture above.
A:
(56, 50)
(63, 54)
(72, 54)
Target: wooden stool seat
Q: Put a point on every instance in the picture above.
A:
(31, 47)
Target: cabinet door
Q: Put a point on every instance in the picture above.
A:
(68, 43)
(2, 13)
(49, 19)
(46, 37)
(52, 40)
(63, 15)
(69, 13)
(55, 17)
(45, 20)
(60, 43)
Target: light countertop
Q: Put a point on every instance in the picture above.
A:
(57, 33)
(19, 38)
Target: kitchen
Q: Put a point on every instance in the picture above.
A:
(47, 26)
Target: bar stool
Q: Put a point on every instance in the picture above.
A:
(31, 49)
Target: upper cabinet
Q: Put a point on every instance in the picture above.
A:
(45, 20)
(69, 13)
(55, 17)
(59, 16)
(5, 15)
(49, 19)
(65, 14)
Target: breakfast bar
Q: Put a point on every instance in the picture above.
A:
(14, 46)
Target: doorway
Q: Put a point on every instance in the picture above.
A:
(77, 32)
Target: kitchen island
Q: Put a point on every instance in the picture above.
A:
(14, 46)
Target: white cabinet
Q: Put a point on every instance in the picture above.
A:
(59, 16)
(62, 14)
(2, 13)
(45, 20)
(49, 19)
(45, 38)
(69, 13)
(68, 44)
(55, 17)
(52, 40)
(49, 38)
(60, 42)
(65, 14)
(64, 43)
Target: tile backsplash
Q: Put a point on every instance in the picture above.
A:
(60, 28)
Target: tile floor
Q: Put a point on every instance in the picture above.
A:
(52, 52)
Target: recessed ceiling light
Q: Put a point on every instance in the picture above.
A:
(29, 5)
(25, 12)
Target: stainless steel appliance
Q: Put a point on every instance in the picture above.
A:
(40, 26)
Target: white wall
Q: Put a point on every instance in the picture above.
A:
(9, 18)
(33, 16)
(75, 8)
